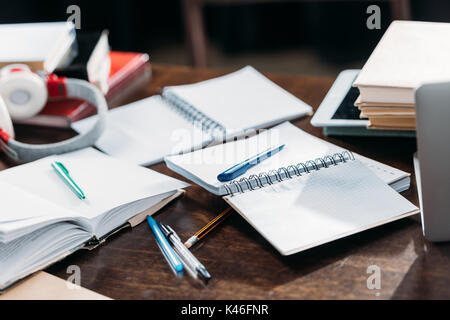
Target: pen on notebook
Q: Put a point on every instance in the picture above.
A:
(63, 173)
(165, 247)
(184, 252)
(206, 229)
(241, 168)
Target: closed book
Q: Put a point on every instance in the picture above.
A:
(41, 46)
(380, 112)
(409, 54)
(44, 286)
(392, 123)
(127, 68)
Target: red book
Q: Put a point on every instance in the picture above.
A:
(126, 69)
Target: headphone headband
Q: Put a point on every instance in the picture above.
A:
(74, 88)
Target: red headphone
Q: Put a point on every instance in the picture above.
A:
(24, 94)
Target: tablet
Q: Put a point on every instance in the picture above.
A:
(338, 109)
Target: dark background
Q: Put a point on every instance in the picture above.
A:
(335, 32)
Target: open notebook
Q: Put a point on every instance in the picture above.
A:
(42, 221)
(188, 117)
(204, 165)
(310, 193)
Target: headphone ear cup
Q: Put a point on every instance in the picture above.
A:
(5, 119)
(24, 93)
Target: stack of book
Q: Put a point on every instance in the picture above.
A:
(56, 47)
(409, 54)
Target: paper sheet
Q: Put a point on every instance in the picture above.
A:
(320, 207)
(107, 182)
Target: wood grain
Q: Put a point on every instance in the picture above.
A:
(242, 263)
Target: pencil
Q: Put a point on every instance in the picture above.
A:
(206, 229)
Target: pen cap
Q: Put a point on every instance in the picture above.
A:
(164, 245)
(61, 166)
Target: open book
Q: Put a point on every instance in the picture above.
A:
(188, 117)
(42, 220)
(310, 193)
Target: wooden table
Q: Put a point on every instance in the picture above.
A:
(242, 263)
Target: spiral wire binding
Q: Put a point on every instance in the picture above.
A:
(193, 115)
(263, 179)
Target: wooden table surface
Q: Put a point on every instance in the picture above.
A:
(242, 263)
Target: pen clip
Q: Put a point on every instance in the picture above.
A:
(168, 231)
(164, 229)
(62, 167)
(172, 232)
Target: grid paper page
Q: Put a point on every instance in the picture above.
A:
(321, 207)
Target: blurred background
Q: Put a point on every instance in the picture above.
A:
(300, 37)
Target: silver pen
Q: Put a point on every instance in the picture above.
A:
(184, 252)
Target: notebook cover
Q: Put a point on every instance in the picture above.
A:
(125, 67)
(94, 242)
(44, 286)
(36, 44)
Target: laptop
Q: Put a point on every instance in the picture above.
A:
(433, 159)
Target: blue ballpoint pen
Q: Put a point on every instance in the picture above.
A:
(241, 168)
(164, 245)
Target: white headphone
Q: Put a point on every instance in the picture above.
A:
(24, 93)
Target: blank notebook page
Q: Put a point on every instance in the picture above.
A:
(145, 131)
(321, 207)
(242, 100)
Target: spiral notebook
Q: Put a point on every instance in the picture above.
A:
(188, 117)
(309, 194)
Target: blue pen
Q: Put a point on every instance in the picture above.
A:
(241, 168)
(165, 246)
